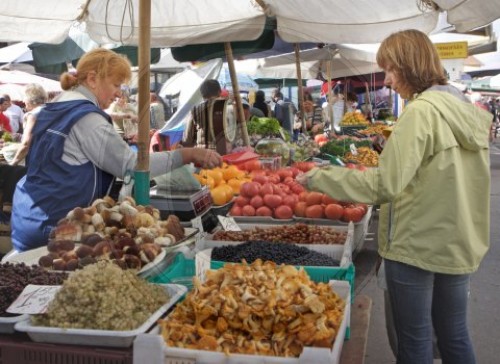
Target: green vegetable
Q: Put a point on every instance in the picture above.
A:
(340, 147)
(7, 137)
(264, 126)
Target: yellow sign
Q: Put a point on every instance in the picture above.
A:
(452, 50)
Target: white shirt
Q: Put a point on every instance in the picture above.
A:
(15, 115)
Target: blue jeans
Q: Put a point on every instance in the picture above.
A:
(420, 300)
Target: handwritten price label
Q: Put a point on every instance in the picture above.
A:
(228, 223)
(34, 299)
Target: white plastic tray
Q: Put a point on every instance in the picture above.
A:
(151, 348)
(31, 257)
(335, 251)
(99, 337)
(7, 323)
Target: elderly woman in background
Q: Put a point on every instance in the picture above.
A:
(34, 99)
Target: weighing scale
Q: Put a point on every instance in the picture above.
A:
(186, 205)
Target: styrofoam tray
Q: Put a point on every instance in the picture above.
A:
(340, 252)
(31, 257)
(7, 323)
(260, 220)
(152, 349)
(99, 337)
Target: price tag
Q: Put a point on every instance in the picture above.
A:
(198, 224)
(33, 299)
(228, 223)
(354, 150)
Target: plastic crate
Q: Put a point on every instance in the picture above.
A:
(18, 349)
(181, 271)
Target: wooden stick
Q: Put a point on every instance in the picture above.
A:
(236, 92)
(299, 83)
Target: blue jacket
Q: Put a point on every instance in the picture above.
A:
(52, 187)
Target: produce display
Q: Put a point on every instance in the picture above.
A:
(279, 253)
(128, 233)
(365, 156)
(297, 233)
(102, 296)
(354, 118)
(262, 309)
(375, 129)
(224, 182)
(15, 277)
(274, 147)
(339, 147)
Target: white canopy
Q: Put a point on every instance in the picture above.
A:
(181, 22)
(14, 82)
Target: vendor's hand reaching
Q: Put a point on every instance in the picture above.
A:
(204, 158)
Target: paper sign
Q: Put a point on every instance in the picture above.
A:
(198, 224)
(353, 148)
(33, 299)
(228, 223)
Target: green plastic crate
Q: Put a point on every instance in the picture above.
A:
(181, 271)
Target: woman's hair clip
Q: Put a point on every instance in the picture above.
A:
(73, 73)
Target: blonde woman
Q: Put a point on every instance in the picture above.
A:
(75, 152)
(35, 98)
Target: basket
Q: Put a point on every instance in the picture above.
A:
(181, 271)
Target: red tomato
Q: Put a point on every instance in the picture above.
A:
(290, 200)
(318, 138)
(314, 198)
(248, 210)
(362, 167)
(283, 212)
(260, 179)
(249, 189)
(326, 200)
(350, 165)
(266, 189)
(256, 201)
(284, 173)
(300, 209)
(272, 201)
(363, 206)
(241, 201)
(354, 214)
(334, 211)
(236, 211)
(314, 211)
(263, 211)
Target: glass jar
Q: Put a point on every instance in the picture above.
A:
(274, 147)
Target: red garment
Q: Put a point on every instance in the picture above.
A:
(5, 123)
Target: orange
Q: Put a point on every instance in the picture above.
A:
(219, 196)
(216, 175)
(231, 172)
(235, 184)
(229, 192)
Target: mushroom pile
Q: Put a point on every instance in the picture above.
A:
(132, 235)
(262, 309)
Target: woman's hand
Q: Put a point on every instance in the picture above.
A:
(203, 158)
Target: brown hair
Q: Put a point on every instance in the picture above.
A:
(413, 57)
(104, 62)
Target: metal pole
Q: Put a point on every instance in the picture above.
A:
(299, 83)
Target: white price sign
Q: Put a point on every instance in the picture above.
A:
(34, 299)
(228, 223)
(197, 223)
(353, 148)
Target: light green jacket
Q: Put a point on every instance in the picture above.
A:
(433, 184)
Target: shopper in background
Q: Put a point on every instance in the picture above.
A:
(75, 152)
(15, 115)
(157, 112)
(35, 98)
(433, 185)
(196, 131)
(260, 102)
(124, 116)
(4, 119)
